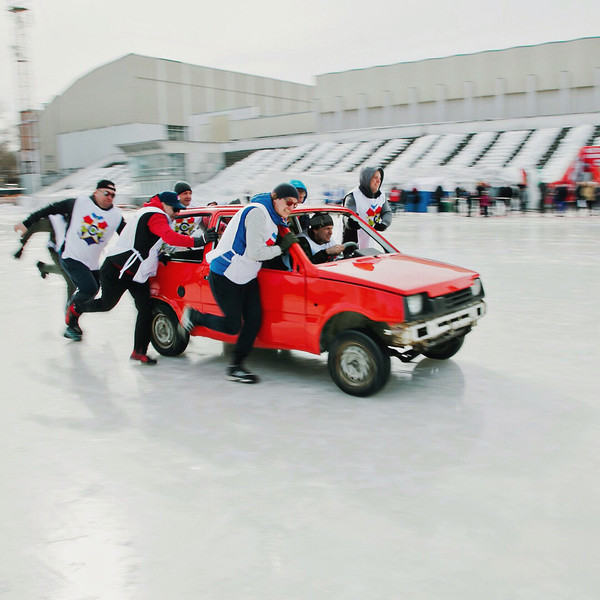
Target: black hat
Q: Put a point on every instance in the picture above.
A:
(106, 184)
(285, 190)
(319, 220)
(182, 186)
(171, 199)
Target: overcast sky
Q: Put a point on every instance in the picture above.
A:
(288, 39)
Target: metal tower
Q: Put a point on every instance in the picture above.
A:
(29, 162)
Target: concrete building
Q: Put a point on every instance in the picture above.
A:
(171, 117)
(170, 120)
(560, 78)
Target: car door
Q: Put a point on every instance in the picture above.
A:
(209, 304)
(187, 267)
(283, 301)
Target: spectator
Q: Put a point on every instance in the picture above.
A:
(561, 199)
(438, 194)
(485, 200)
(394, 200)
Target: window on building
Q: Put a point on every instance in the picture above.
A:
(176, 133)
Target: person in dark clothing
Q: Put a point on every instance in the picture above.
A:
(316, 240)
(438, 194)
(134, 259)
(562, 193)
(55, 226)
(91, 222)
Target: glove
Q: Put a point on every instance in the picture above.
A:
(286, 241)
(352, 224)
(164, 258)
(210, 235)
(380, 226)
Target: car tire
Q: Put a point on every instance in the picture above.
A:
(445, 350)
(167, 336)
(358, 364)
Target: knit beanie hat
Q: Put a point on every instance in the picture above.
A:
(299, 186)
(285, 190)
(319, 220)
(182, 186)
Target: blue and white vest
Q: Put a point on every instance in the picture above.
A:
(230, 258)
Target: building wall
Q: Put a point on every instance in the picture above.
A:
(115, 102)
(548, 79)
(143, 90)
(81, 148)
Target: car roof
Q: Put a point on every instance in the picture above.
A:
(233, 208)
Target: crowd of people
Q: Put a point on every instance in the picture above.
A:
(81, 228)
(487, 200)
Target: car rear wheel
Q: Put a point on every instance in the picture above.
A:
(445, 350)
(167, 337)
(358, 365)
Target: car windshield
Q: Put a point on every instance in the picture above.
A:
(369, 242)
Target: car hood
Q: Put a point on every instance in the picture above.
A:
(399, 273)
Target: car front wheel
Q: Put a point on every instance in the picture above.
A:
(358, 365)
(167, 337)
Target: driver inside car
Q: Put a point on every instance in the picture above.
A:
(316, 240)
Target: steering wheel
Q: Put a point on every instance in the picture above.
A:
(349, 248)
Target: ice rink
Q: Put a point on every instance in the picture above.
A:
(474, 478)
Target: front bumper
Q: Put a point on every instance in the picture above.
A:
(425, 333)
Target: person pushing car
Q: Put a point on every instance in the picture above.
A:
(249, 239)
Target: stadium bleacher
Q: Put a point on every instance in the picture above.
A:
(495, 156)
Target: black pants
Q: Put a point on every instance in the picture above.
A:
(112, 290)
(83, 278)
(240, 304)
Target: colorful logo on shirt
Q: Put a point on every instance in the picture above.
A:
(92, 229)
(271, 241)
(373, 211)
(185, 226)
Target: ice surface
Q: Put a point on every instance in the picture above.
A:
(471, 478)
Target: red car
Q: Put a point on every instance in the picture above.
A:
(366, 306)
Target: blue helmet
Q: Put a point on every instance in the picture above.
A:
(299, 186)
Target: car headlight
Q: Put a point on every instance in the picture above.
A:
(414, 304)
(476, 287)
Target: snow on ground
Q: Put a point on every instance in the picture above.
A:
(471, 478)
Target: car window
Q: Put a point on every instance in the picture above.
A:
(298, 222)
(221, 226)
(192, 226)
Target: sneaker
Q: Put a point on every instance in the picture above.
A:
(143, 358)
(40, 265)
(188, 318)
(72, 317)
(240, 374)
(73, 334)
